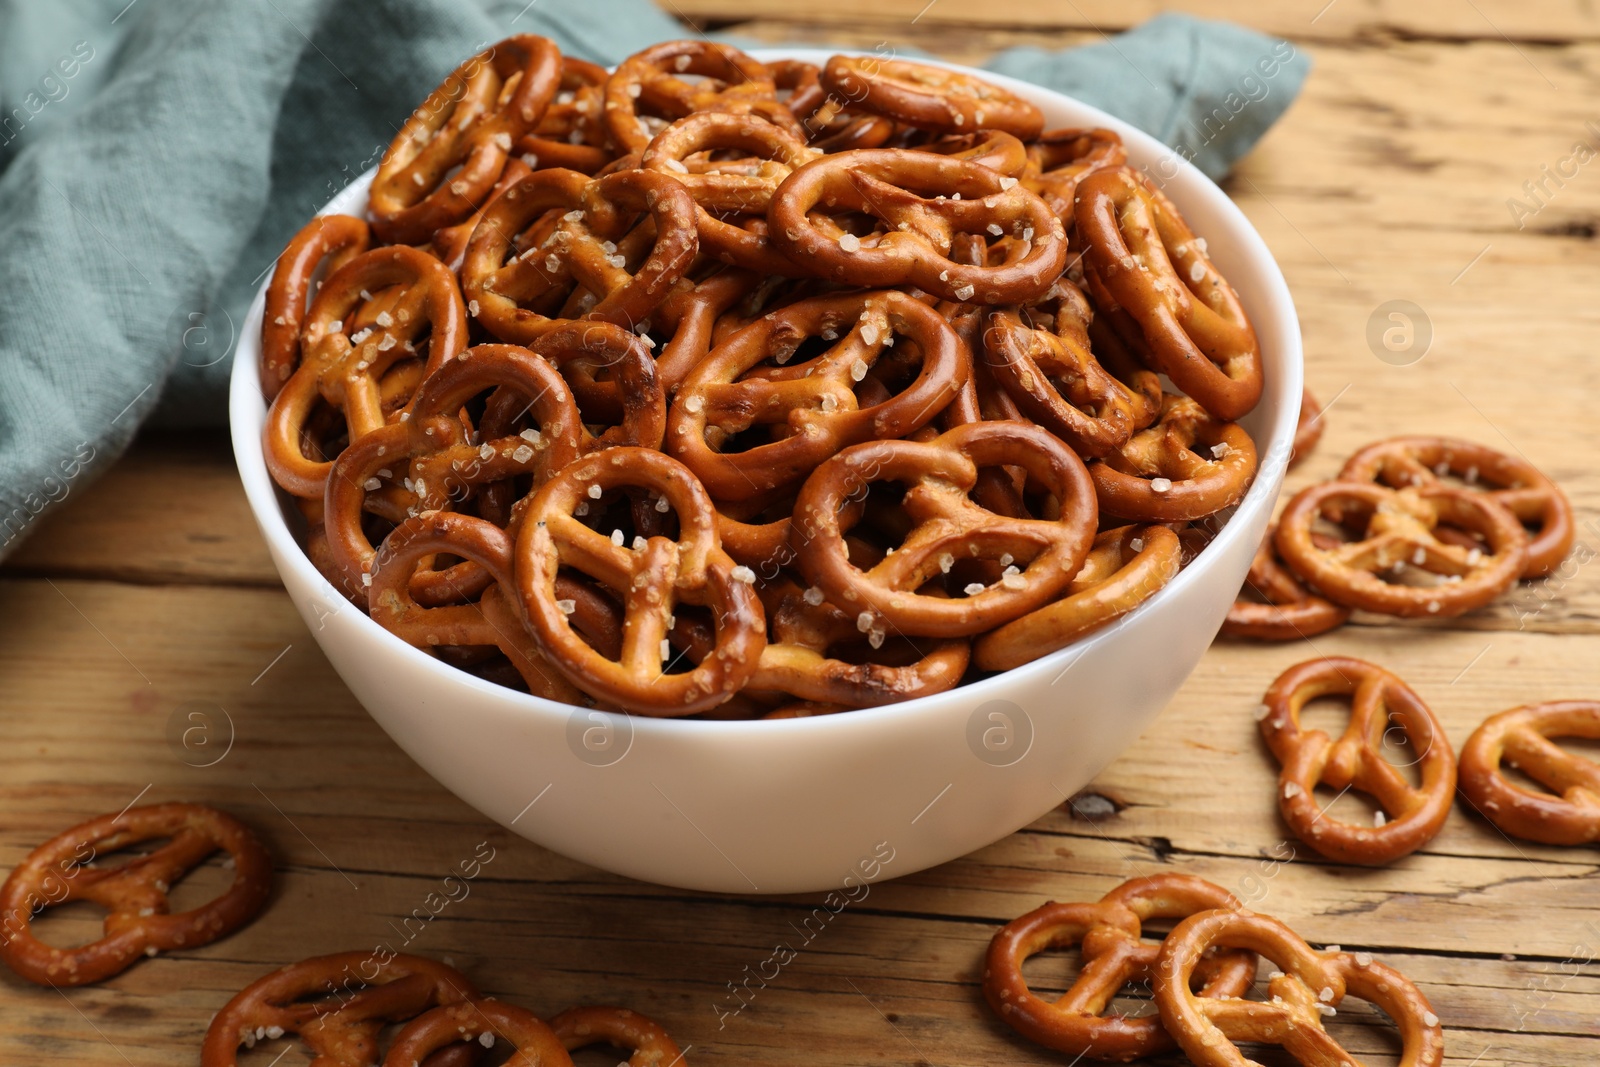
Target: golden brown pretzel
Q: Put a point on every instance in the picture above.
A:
(1308, 985)
(1125, 568)
(1156, 270)
(135, 893)
(482, 1022)
(448, 155)
(802, 628)
(330, 239)
(812, 406)
(357, 994)
(930, 97)
(648, 1043)
(1041, 357)
(1414, 815)
(913, 195)
(1185, 467)
(572, 133)
(486, 619)
(1040, 556)
(739, 187)
(1395, 531)
(645, 92)
(347, 373)
(506, 283)
(1287, 609)
(651, 577)
(1570, 813)
(614, 379)
(690, 316)
(995, 149)
(433, 453)
(1113, 957)
(1511, 481)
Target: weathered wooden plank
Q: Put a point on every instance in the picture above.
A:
(1502, 21)
(171, 510)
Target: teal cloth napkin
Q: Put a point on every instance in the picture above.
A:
(155, 155)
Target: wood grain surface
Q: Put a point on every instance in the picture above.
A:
(149, 596)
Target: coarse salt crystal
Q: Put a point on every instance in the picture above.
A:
(472, 308)
(858, 370)
(1379, 819)
(1363, 959)
(849, 242)
(617, 538)
(1220, 449)
(595, 492)
(946, 561)
(532, 436)
(1007, 182)
(995, 228)
(974, 588)
(372, 485)
(1197, 270)
(663, 504)
(486, 1039)
(1160, 485)
(1291, 791)
(744, 574)
(567, 607)
(531, 160)
(522, 454)
(813, 596)
(1429, 1019)
(1137, 544)
(965, 292)
(864, 621)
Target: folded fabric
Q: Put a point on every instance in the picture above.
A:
(155, 156)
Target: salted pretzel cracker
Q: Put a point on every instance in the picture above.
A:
(336, 1005)
(572, 132)
(646, 1042)
(689, 319)
(930, 97)
(923, 201)
(433, 452)
(651, 578)
(486, 619)
(483, 1023)
(1157, 271)
(748, 381)
(1521, 737)
(1108, 935)
(1041, 356)
(645, 92)
(1396, 535)
(740, 188)
(1309, 758)
(1287, 609)
(1126, 567)
(332, 240)
(801, 629)
(1059, 159)
(1042, 555)
(1308, 985)
(1510, 481)
(506, 283)
(1185, 467)
(135, 894)
(347, 373)
(449, 154)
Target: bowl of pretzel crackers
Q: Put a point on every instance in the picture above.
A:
(753, 472)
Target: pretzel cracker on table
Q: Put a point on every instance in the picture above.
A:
(716, 387)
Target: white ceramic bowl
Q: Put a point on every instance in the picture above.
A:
(805, 804)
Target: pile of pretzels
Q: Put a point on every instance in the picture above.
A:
(1411, 527)
(726, 388)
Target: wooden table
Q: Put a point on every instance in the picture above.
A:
(150, 595)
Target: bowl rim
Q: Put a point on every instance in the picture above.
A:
(247, 414)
